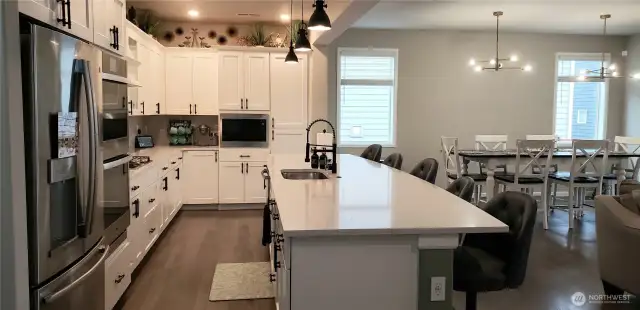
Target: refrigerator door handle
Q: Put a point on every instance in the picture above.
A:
(85, 225)
(104, 249)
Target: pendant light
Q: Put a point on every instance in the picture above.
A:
(496, 63)
(319, 20)
(302, 43)
(604, 72)
(291, 57)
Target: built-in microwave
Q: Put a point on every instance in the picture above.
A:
(244, 130)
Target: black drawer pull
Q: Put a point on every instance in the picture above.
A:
(136, 210)
(152, 200)
(272, 277)
(152, 230)
(165, 168)
(119, 278)
(135, 187)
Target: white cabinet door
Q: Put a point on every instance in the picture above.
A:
(205, 84)
(152, 221)
(231, 80)
(135, 232)
(231, 182)
(254, 189)
(117, 274)
(117, 15)
(176, 189)
(156, 76)
(46, 11)
(82, 19)
(179, 83)
(133, 104)
(289, 95)
(256, 81)
(102, 29)
(288, 141)
(165, 199)
(200, 177)
(145, 91)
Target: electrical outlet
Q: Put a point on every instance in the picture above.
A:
(438, 288)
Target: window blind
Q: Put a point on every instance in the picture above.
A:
(366, 97)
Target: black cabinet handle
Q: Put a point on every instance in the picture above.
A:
(68, 3)
(113, 44)
(245, 156)
(63, 20)
(276, 216)
(158, 108)
(246, 103)
(119, 278)
(179, 157)
(164, 168)
(117, 38)
(277, 265)
(142, 103)
(173, 162)
(241, 167)
(166, 184)
(273, 136)
(272, 277)
(247, 169)
(195, 109)
(124, 102)
(152, 230)
(152, 200)
(279, 238)
(135, 187)
(241, 103)
(278, 247)
(136, 210)
(131, 107)
(216, 156)
(189, 108)
(178, 174)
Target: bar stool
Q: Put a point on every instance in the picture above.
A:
(394, 161)
(463, 187)
(373, 152)
(427, 170)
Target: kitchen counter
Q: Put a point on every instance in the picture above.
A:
(368, 198)
(162, 153)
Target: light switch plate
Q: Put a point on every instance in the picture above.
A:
(438, 288)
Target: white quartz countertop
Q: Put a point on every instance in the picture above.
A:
(370, 198)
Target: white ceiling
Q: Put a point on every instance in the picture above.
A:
(545, 16)
(225, 11)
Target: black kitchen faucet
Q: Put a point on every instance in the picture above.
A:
(333, 147)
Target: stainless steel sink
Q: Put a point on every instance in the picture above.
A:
(302, 174)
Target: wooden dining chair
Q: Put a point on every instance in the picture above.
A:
(533, 163)
(453, 166)
(627, 145)
(553, 193)
(588, 163)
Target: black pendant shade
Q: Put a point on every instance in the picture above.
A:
(302, 43)
(291, 56)
(319, 19)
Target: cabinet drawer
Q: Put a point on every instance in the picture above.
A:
(244, 154)
(139, 181)
(152, 224)
(117, 274)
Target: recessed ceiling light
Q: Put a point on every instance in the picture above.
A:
(193, 13)
(284, 17)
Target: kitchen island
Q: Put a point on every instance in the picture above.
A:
(369, 237)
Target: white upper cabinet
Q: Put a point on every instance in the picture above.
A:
(156, 78)
(145, 105)
(256, 81)
(205, 84)
(289, 98)
(179, 83)
(192, 82)
(231, 81)
(243, 81)
(108, 25)
(71, 16)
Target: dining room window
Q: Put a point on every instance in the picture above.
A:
(367, 87)
(580, 105)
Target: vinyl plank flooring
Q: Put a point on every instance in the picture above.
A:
(178, 271)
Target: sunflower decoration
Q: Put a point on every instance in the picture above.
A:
(222, 40)
(232, 31)
(212, 34)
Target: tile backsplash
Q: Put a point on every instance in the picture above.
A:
(157, 126)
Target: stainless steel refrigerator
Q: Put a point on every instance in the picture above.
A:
(64, 169)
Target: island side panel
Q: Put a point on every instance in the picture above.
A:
(435, 263)
(354, 272)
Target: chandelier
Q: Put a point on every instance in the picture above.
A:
(497, 63)
(605, 72)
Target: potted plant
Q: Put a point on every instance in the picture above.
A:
(257, 36)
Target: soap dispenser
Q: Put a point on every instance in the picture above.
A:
(314, 159)
(322, 162)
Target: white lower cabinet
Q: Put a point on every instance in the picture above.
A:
(242, 182)
(117, 274)
(200, 177)
(152, 224)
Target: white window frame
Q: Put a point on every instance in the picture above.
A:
(604, 108)
(369, 52)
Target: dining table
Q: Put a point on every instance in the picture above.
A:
(492, 159)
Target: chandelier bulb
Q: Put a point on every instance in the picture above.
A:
(614, 74)
(513, 58)
(612, 67)
(492, 61)
(479, 68)
(472, 62)
(636, 76)
(527, 68)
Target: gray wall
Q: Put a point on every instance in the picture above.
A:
(14, 289)
(438, 94)
(632, 104)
